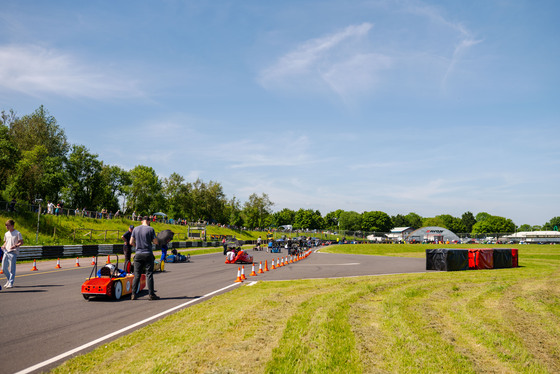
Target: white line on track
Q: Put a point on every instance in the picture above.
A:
(124, 329)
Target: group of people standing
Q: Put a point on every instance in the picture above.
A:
(141, 238)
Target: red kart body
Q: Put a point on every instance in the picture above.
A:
(112, 287)
(242, 257)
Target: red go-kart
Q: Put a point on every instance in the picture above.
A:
(238, 257)
(110, 281)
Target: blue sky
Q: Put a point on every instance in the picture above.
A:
(432, 107)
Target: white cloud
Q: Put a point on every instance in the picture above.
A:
(337, 61)
(466, 39)
(38, 71)
(254, 153)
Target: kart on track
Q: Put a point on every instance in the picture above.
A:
(178, 257)
(110, 281)
(238, 257)
(158, 266)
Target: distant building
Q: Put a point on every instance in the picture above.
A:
(399, 233)
(432, 234)
(533, 237)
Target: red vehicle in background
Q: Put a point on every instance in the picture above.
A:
(236, 255)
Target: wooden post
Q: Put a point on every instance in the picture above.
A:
(105, 238)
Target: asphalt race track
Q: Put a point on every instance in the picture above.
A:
(45, 315)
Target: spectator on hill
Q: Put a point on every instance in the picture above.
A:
(50, 207)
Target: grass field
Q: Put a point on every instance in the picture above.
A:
(480, 321)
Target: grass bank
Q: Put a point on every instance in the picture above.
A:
(66, 230)
(505, 321)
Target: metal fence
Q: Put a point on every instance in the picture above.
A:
(88, 250)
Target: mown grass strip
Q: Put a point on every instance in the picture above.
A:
(505, 321)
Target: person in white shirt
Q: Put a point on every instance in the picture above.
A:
(50, 208)
(12, 241)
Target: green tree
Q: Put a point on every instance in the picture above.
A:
(233, 212)
(433, 221)
(332, 219)
(350, 221)
(414, 220)
(8, 118)
(554, 223)
(208, 202)
(308, 219)
(482, 216)
(284, 217)
(84, 186)
(40, 128)
(494, 224)
(376, 221)
(468, 221)
(177, 195)
(36, 175)
(256, 210)
(453, 223)
(144, 194)
(115, 182)
(446, 221)
(399, 221)
(9, 155)
(525, 227)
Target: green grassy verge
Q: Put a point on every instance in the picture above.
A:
(505, 321)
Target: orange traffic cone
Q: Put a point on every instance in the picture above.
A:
(77, 262)
(1, 271)
(93, 260)
(34, 268)
(253, 274)
(282, 263)
(266, 265)
(272, 267)
(239, 280)
(109, 259)
(58, 264)
(260, 268)
(243, 272)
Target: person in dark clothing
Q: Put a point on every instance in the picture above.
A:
(224, 244)
(142, 238)
(127, 247)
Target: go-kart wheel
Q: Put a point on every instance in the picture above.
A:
(86, 297)
(117, 290)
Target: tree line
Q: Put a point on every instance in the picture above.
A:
(37, 162)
